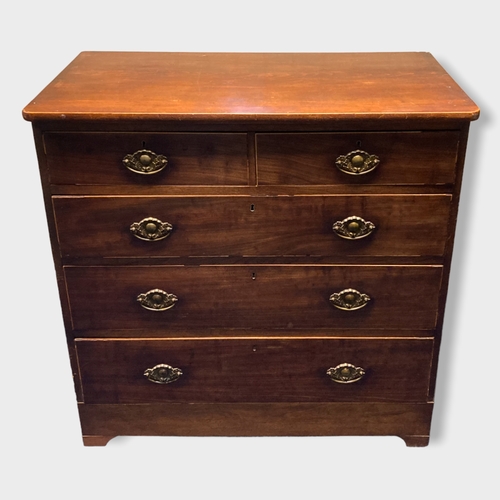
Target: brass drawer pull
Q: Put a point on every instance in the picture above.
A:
(163, 374)
(353, 228)
(151, 229)
(157, 300)
(145, 162)
(349, 299)
(346, 373)
(357, 162)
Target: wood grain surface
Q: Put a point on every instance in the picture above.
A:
(409, 421)
(225, 86)
(405, 158)
(254, 370)
(405, 225)
(193, 159)
(282, 297)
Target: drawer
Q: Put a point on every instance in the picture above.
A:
(404, 158)
(254, 370)
(409, 225)
(281, 296)
(192, 159)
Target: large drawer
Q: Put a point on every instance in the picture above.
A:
(192, 159)
(405, 225)
(405, 157)
(280, 296)
(254, 370)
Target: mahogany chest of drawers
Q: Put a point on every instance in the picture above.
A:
(252, 244)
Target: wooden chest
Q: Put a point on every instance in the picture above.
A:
(252, 244)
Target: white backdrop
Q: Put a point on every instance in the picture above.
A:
(40, 442)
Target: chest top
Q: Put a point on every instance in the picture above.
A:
(252, 86)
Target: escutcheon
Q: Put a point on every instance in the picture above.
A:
(163, 374)
(346, 373)
(157, 300)
(349, 299)
(145, 162)
(357, 162)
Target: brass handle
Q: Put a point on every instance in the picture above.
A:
(357, 162)
(163, 374)
(353, 228)
(349, 299)
(157, 300)
(346, 373)
(151, 229)
(145, 162)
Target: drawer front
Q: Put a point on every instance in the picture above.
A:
(192, 159)
(405, 158)
(254, 370)
(284, 296)
(243, 226)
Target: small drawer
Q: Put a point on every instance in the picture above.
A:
(254, 370)
(397, 158)
(138, 158)
(240, 296)
(334, 226)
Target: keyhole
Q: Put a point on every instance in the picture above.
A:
(358, 144)
(252, 208)
(143, 144)
(254, 277)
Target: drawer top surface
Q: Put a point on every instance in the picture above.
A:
(255, 86)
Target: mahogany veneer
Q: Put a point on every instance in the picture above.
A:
(244, 296)
(93, 226)
(260, 282)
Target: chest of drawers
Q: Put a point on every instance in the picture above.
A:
(252, 244)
